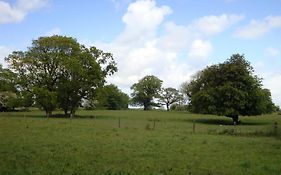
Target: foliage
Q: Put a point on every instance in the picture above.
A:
(26, 99)
(110, 97)
(8, 97)
(8, 101)
(169, 96)
(228, 88)
(46, 98)
(83, 75)
(7, 80)
(145, 91)
(60, 72)
(179, 107)
(277, 108)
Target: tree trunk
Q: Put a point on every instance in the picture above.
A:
(65, 112)
(235, 120)
(168, 107)
(48, 113)
(72, 113)
(145, 106)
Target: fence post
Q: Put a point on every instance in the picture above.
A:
(193, 127)
(119, 122)
(25, 121)
(154, 124)
(275, 127)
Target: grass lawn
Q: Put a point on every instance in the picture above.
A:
(93, 143)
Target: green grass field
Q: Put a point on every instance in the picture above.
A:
(93, 143)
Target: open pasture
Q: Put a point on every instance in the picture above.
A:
(138, 142)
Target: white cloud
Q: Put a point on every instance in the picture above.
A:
(210, 25)
(272, 52)
(144, 15)
(141, 50)
(176, 37)
(200, 49)
(141, 21)
(268, 68)
(54, 31)
(10, 13)
(4, 52)
(273, 82)
(257, 28)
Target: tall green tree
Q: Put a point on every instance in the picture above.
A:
(60, 72)
(38, 68)
(229, 88)
(145, 91)
(110, 97)
(82, 76)
(169, 96)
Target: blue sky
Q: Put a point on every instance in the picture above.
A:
(172, 39)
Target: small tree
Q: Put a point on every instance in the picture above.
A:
(110, 97)
(145, 91)
(169, 96)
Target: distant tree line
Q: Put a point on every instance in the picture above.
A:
(108, 97)
(229, 88)
(149, 93)
(57, 72)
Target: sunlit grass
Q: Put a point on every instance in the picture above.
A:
(93, 143)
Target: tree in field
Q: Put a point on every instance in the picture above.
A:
(8, 90)
(82, 76)
(145, 91)
(38, 70)
(169, 96)
(60, 72)
(110, 97)
(229, 88)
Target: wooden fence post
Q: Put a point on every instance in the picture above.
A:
(119, 122)
(25, 121)
(275, 127)
(193, 127)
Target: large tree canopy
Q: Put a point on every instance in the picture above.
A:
(229, 88)
(61, 72)
(146, 90)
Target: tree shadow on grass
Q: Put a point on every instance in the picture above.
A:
(59, 116)
(210, 121)
(82, 116)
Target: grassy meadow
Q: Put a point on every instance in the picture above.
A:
(147, 142)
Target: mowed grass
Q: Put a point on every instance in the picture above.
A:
(93, 143)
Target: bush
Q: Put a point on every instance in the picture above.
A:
(177, 107)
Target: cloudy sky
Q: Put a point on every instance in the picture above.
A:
(172, 39)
